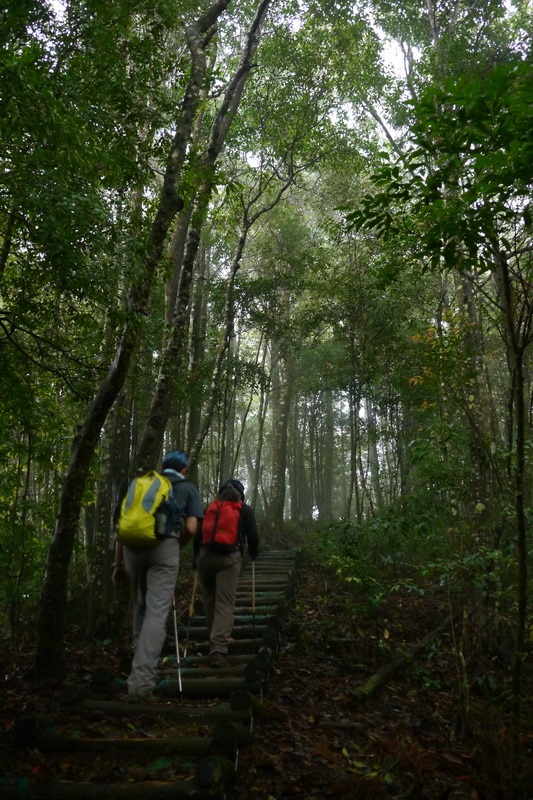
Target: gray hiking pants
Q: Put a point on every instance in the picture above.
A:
(153, 572)
(219, 576)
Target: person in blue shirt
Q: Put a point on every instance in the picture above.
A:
(153, 572)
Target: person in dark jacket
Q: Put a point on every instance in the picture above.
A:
(219, 568)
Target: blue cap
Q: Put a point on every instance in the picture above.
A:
(176, 459)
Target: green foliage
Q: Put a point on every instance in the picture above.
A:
(87, 100)
(84, 94)
(389, 551)
(407, 554)
(467, 172)
(491, 571)
(36, 417)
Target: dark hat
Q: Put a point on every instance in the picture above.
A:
(176, 459)
(236, 485)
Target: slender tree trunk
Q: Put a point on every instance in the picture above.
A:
(248, 220)
(353, 490)
(51, 617)
(15, 597)
(515, 356)
(367, 502)
(261, 416)
(282, 396)
(316, 418)
(241, 436)
(176, 253)
(294, 500)
(313, 467)
(179, 238)
(100, 530)
(328, 458)
(7, 241)
(120, 454)
(197, 355)
(112, 483)
(227, 440)
(478, 409)
(244, 438)
(98, 561)
(172, 357)
(301, 506)
(373, 457)
(224, 344)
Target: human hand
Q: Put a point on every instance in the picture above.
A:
(119, 575)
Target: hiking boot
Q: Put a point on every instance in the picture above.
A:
(218, 660)
(144, 698)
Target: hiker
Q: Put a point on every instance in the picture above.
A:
(228, 524)
(153, 572)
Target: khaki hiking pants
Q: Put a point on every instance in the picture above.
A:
(219, 576)
(153, 572)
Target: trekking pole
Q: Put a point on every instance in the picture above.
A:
(253, 602)
(191, 611)
(177, 642)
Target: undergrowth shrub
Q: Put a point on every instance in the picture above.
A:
(411, 547)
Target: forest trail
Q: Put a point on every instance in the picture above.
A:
(286, 722)
(88, 742)
(239, 229)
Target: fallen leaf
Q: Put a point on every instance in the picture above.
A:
(453, 759)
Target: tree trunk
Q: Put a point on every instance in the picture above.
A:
(179, 238)
(261, 415)
(515, 356)
(388, 671)
(227, 439)
(478, 409)
(51, 617)
(98, 561)
(172, 356)
(24, 475)
(353, 491)
(373, 456)
(249, 218)
(328, 458)
(197, 357)
(282, 396)
(300, 494)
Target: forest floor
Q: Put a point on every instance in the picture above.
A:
(409, 739)
(314, 739)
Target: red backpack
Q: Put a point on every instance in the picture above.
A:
(221, 522)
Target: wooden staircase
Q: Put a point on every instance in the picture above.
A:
(188, 745)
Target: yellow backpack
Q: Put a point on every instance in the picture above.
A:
(147, 512)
